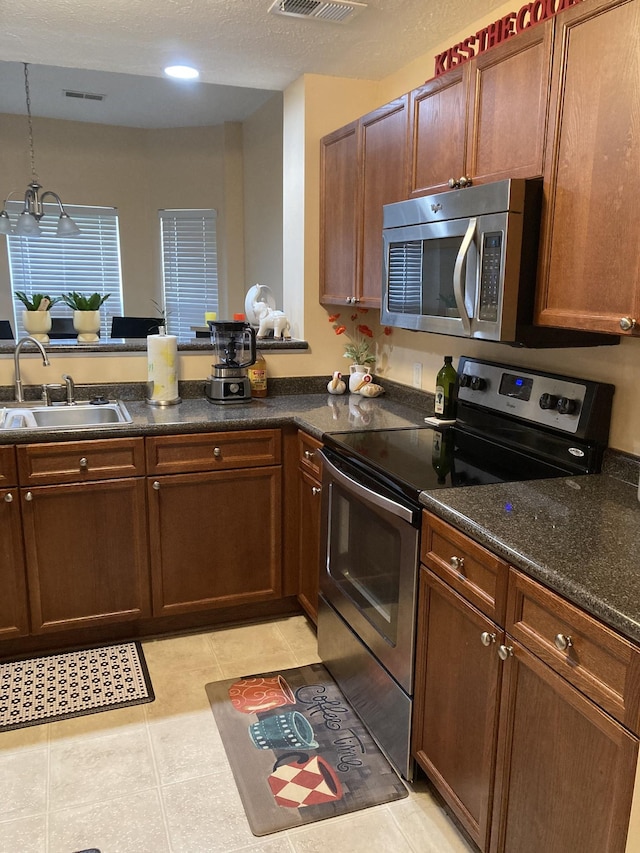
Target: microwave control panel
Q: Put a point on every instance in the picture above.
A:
(490, 276)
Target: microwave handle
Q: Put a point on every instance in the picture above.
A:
(460, 274)
(367, 494)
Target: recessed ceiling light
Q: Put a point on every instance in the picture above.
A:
(182, 72)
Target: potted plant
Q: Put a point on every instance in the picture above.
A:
(358, 349)
(86, 313)
(36, 317)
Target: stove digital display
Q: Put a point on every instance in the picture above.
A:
(519, 387)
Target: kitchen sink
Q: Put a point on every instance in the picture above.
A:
(87, 415)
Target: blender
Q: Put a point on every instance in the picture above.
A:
(234, 347)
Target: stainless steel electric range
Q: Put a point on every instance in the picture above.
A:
(512, 424)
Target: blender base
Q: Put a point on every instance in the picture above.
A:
(233, 389)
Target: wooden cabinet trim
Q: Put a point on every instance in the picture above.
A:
(62, 462)
(212, 451)
(8, 467)
(601, 663)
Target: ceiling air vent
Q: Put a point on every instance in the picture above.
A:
(86, 96)
(338, 11)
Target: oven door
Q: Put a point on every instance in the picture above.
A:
(369, 565)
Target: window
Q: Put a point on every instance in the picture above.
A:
(190, 268)
(88, 263)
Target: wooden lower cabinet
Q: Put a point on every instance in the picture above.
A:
(455, 723)
(86, 553)
(565, 768)
(215, 539)
(525, 760)
(14, 620)
(308, 534)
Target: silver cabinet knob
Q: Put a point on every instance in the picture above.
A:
(156, 485)
(562, 642)
(28, 496)
(457, 563)
(8, 497)
(505, 652)
(84, 463)
(217, 452)
(465, 181)
(349, 300)
(627, 323)
(315, 490)
(452, 183)
(487, 639)
(309, 454)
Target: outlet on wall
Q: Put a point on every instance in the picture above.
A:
(417, 375)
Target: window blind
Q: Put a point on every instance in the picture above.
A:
(405, 277)
(190, 268)
(88, 263)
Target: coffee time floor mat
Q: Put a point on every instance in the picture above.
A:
(297, 750)
(70, 684)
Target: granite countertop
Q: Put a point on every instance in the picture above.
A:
(578, 535)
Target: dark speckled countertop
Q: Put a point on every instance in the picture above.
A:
(580, 536)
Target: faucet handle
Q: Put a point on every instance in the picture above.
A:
(68, 381)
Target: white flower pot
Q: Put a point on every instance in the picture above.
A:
(87, 325)
(37, 324)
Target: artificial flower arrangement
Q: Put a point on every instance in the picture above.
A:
(360, 336)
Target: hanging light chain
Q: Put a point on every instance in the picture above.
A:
(34, 174)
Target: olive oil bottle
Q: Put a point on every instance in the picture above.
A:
(445, 405)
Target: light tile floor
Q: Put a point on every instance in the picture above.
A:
(154, 778)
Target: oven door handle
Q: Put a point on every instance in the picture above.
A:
(366, 494)
(460, 275)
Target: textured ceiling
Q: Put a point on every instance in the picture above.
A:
(234, 43)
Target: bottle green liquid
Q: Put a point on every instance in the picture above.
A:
(445, 406)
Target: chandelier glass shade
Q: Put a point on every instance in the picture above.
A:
(28, 222)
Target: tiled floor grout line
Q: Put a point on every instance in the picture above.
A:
(156, 773)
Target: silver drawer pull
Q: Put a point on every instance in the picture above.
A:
(309, 454)
(217, 452)
(505, 652)
(457, 563)
(487, 639)
(315, 490)
(84, 463)
(28, 496)
(8, 497)
(156, 485)
(562, 642)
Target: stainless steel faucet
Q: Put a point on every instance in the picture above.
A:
(16, 363)
(68, 381)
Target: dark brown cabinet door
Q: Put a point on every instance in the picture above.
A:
(384, 156)
(590, 266)
(309, 496)
(339, 212)
(565, 769)
(86, 551)
(457, 691)
(215, 539)
(438, 132)
(14, 621)
(509, 96)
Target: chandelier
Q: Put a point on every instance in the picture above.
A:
(28, 224)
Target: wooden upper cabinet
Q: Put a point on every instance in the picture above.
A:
(590, 263)
(438, 132)
(362, 167)
(339, 229)
(509, 95)
(485, 120)
(384, 152)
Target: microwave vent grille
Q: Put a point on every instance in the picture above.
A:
(404, 293)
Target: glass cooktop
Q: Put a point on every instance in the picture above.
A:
(426, 458)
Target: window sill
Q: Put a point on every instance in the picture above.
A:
(140, 345)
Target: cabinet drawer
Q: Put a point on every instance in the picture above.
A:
(309, 458)
(477, 574)
(213, 451)
(8, 472)
(598, 661)
(79, 461)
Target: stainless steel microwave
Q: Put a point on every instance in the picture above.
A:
(463, 262)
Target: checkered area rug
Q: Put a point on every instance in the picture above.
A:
(56, 687)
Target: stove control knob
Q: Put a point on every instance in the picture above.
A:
(464, 380)
(478, 383)
(566, 406)
(548, 401)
